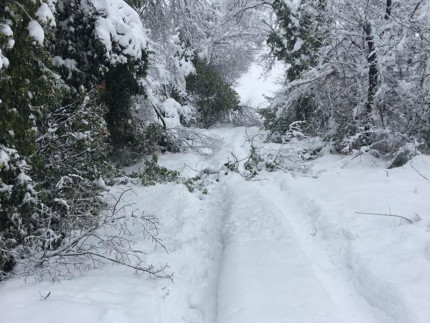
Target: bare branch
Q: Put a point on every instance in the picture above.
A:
(385, 214)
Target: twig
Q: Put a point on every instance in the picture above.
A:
(385, 214)
(150, 270)
(44, 297)
(419, 173)
(356, 156)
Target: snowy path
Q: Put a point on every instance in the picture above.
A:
(275, 249)
(272, 266)
(270, 270)
(275, 265)
(265, 275)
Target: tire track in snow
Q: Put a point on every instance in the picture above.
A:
(353, 305)
(264, 274)
(258, 257)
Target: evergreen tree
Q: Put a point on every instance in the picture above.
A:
(214, 97)
(297, 36)
(28, 86)
(87, 60)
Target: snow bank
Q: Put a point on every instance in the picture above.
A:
(386, 258)
(190, 227)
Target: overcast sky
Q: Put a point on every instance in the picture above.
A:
(253, 86)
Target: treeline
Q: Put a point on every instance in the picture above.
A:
(86, 86)
(357, 74)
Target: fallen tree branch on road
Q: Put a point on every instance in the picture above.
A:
(388, 214)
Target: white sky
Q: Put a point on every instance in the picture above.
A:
(252, 86)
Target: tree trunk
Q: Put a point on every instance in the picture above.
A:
(373, 75)
(159, 115)
(388, 9)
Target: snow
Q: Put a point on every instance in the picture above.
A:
(119, 27)
(45, 15)
(6, 30)
(187, 112)
(169, 109)
(293, 6)
(36, 32)
(61, 202)
(4, 62)
(68, 63)
(388, 258)
(298, 44)
(265, 275)
(187, 66)
(4, 158)
(281, 247)
(23, 178)
(102, 184)
(168, 67)
(6, 154)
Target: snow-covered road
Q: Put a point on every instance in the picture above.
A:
(279, 248)
(265, 275)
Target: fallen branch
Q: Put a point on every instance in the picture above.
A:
(197, 140)
(160, 116)
(356, 156)
(419, 173)
(385, 214)
(109, 239)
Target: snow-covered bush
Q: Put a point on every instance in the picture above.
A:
(18, 201)
(103, 44)
(151, 173)
(28, 88)
(55, 99)
(357, 71)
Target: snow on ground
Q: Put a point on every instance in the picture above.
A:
(282, 247)
(265, 275)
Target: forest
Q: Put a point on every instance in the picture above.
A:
(89, 88)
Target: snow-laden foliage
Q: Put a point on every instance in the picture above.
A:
(168, 68)
(119, 28)
(17, 197)
(103, 44)
(357, 69)
(59, 100)
(6, 42)
(223, 34)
